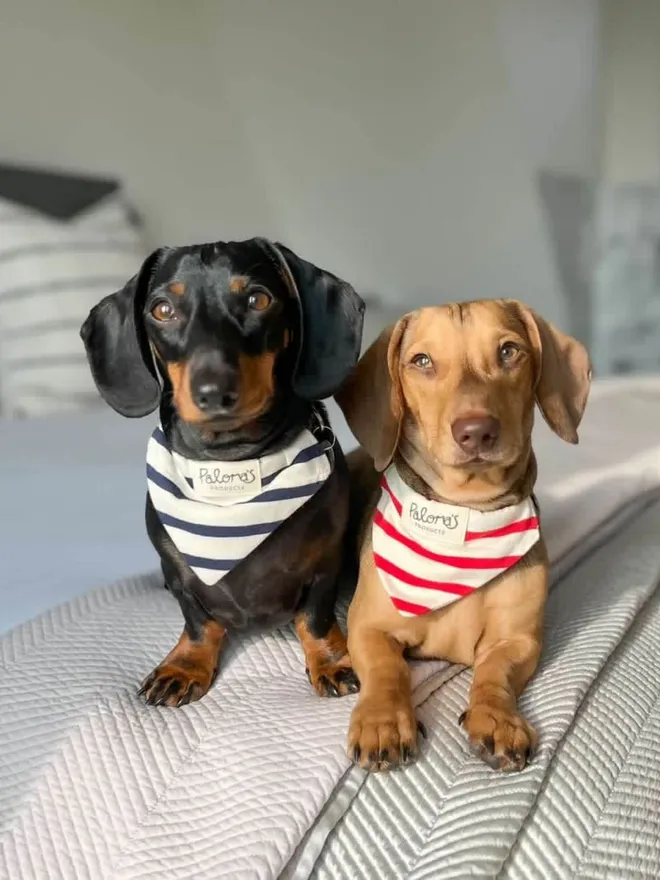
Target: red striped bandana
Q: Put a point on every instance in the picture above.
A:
(430, 554)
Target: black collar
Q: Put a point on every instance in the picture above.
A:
(319, 425)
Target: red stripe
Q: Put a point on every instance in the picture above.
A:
(395, 500)
(523, 525)
(394, 570)
(410, 607)
(455, 561)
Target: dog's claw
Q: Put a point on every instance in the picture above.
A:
(488, 744)
(328, 686)
(348, 678)
(334, 681)
(502, 740)
(174, 688)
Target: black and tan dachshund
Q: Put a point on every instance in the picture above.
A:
(236, 343)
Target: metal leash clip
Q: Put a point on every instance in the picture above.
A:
(323, 432)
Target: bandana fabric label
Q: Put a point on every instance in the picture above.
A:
(439, 522)
(226, 479)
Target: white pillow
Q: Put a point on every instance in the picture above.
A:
(51, 274)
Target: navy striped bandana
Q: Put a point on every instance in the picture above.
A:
(218, 512)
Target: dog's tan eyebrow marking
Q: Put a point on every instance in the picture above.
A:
(512, 322)
(456, 313)
(178, 289)
(238, 283)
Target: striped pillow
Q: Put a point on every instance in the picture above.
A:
(51, 274)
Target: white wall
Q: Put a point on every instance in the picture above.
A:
(127, 87)
(395, 142)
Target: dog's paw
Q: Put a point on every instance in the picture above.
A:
(171, 684)
(382, 734)
(505, 741)
(331, 679)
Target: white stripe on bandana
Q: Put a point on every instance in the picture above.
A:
(218, 512)
(429, 554)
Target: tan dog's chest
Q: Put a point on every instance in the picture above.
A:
(453, 633)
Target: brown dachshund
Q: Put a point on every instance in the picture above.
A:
(452, 563)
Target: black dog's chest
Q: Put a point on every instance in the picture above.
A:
(268, 585)
(269, 600)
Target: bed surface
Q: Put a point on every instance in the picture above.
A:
(95, 783)
(73, 495)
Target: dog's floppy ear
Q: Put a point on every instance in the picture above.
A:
(331, 326)
(118, 349)
(372, 400)
(563, 375)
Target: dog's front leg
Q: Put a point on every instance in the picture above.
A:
(497, 732)
(327, 663)
(383, 728)
(506, 657)
(191, 667)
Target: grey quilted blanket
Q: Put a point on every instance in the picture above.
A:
(250, 781)
(589, 804)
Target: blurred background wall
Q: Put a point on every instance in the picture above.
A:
(395, 142)
(427, 150)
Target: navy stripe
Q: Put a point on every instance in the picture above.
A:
(161, 439)
(67, 247)
(218, 531)
(163, 483)
(285, 494)
(112, 282)
(307, 454)
(212, 564)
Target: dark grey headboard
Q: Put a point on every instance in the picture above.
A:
(57, 193)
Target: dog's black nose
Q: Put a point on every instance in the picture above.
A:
(216, 391)
(211, 396)
(477, 434)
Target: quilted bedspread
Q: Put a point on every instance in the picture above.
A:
(587, 807)
(250, 781)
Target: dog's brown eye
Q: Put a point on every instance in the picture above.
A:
(507, 352)
(423, 361)
(163, 311)
(259, 300)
